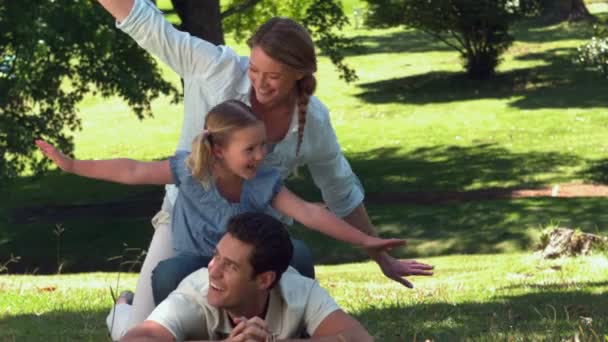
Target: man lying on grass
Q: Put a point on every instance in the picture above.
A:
(248, 294)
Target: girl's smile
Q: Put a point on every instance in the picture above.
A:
(244, 152)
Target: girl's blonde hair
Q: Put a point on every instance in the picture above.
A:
(288, 42)
(222, 120)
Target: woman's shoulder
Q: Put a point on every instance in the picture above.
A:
(317, 111)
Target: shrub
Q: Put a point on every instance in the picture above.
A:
(477, 29)
(594, 54)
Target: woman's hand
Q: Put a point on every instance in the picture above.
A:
(64, 162)
(380, 245)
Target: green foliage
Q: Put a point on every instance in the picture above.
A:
(477, 29)
(594, 53)
(52, 53)
(322, 18)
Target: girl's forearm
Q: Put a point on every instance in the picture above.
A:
(113, 170)
(125, 171)
(326, 222)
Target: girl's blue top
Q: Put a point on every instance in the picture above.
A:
(200, 215)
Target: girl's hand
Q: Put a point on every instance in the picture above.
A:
(64, 162)
(380, 245)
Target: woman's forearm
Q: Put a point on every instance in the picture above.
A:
(359, 219)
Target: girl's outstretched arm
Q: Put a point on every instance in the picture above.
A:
(316, 217)
(126, 171)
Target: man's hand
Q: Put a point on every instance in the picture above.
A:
(252, 330)
(399, 269)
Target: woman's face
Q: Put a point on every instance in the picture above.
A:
(272, 80)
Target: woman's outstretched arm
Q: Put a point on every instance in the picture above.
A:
(119, 9)
(126, 171)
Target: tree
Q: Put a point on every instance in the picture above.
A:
(560, 10)
(209, 20)
(477, 29)
(51, 54)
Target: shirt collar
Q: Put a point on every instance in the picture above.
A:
(274, 315)
(244, 86)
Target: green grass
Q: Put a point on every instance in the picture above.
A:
(411, 123)
(511, 296)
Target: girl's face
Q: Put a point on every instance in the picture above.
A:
(244, 152)
(272, 80)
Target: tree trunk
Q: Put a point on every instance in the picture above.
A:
(559, 10)
(202, 18)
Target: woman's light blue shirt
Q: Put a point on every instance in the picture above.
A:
(213, 74)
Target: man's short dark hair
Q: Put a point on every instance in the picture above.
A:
(272, 248)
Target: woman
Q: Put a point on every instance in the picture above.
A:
(277, 81)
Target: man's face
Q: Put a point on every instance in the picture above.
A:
(230, 275)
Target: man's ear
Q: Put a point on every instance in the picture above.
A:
(265, 279)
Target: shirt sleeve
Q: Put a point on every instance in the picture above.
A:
(185, 54)
(181, 315)
(320, 305)
(179, 169)
(264, 187)
(331, 172)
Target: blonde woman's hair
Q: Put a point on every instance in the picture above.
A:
(221, 122)
(288, 42)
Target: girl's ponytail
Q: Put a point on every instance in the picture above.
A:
(201, 158)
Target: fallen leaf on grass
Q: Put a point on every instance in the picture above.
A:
(49, 288)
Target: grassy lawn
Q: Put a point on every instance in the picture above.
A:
(508, 297)
(411, 123)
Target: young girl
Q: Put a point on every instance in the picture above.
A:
(220, 178)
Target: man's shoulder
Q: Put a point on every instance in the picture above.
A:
(196, 286)
(296, 289)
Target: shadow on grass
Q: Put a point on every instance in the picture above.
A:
(407, 40)
(441, 168)
(86, 325)
(597, 171)
(538, 31)
(415, 41)
(93, 233)
(558, 84)
(483, 227)
(546, 316)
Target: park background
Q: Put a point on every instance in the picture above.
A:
(416, 131)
